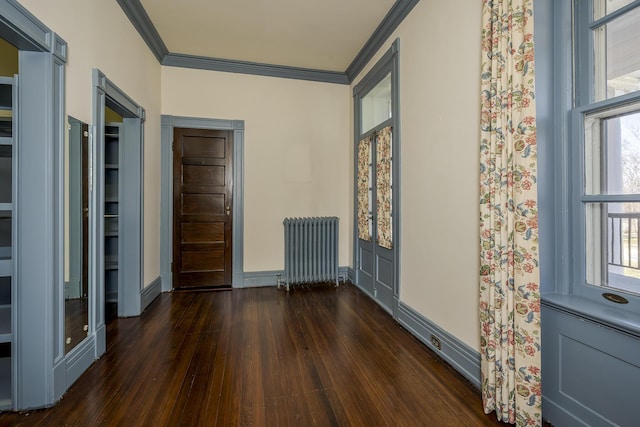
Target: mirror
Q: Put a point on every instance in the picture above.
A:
(76, 289)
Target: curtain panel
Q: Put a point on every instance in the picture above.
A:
(364, 188)
(509, 271)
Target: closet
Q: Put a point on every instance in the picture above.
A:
(6, 240)
(112, 251)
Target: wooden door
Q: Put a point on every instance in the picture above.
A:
(202, 203)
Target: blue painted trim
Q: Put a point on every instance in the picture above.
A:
(20, 28)
(143, 24)
(351, 274)
(255, 279)
(604, 313)
(463, 358)
(391, 21)
(253, 68)
(166, 192)
(79, 359)
(389, 63)
(150, 293)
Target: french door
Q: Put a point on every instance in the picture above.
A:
(376, 162)
(375, 248)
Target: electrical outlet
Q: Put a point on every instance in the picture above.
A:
(436, 342)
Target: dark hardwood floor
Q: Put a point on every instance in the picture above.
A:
(316, 355)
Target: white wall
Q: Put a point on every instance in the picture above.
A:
(297, 150)
(440, 120)
(99, 35)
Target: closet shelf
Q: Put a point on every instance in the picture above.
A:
(111, 263)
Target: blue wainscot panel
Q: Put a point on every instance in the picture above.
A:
(591, 372)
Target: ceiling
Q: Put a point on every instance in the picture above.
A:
(316, 34)
(323, 35)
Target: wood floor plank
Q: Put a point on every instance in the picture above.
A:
(314, 356)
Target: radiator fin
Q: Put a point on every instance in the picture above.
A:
(310, 250)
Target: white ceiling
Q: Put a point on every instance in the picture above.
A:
(316, 34)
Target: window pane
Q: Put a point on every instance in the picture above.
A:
(376, 105)
(617, 56)
(612, 243)
(601, 8)
(612, 154)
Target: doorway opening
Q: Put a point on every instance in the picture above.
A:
(377, 186)
(116, 205)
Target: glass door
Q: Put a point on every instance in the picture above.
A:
(375, 252)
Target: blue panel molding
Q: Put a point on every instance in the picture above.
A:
(142, 23)
(591, 372)
(254, 68)
(150, 293)
(463, 358)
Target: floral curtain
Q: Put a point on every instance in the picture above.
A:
(364, 188)
(509, 275)
(384, 190)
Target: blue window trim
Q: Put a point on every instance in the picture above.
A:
(562, 153)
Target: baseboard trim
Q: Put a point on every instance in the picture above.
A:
(463, 358)
(150, 293)
(257, 279)
(79, 360)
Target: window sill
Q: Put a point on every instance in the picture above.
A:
(604, 313)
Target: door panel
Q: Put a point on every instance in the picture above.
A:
(376, 268)
(202, 208)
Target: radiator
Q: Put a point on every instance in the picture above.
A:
(310, 250)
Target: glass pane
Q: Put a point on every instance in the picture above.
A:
(617, 56)
(612, 243)
(6, 179)
(612, 154)
(376, 105)
(384, 187)
(365, 202)
(601, 8)
(5, 235)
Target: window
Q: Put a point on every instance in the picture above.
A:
(606, 127)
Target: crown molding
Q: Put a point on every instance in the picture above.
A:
(245, 67)
(143, 24)
(396, 15)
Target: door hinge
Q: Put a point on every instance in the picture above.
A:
(172, 267)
